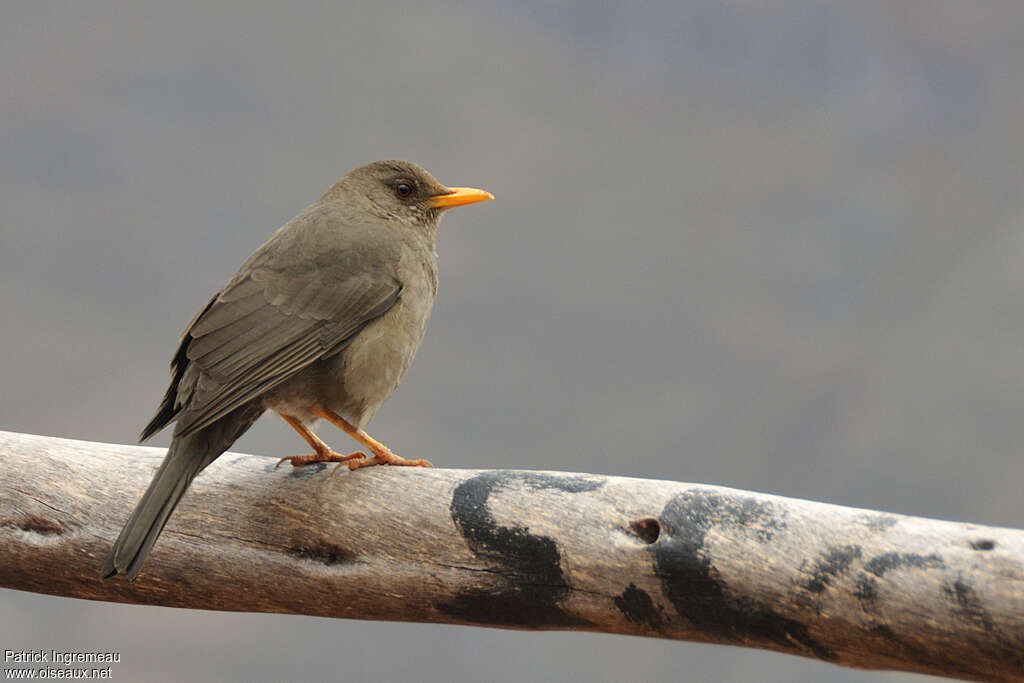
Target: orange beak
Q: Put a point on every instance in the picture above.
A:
(458, 196)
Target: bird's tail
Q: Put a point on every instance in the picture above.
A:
(186, 457)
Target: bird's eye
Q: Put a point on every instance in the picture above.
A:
(403, 189)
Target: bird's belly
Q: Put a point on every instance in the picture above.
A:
(370, 368)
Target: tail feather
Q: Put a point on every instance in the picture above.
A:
(179, 468)
(186, 457)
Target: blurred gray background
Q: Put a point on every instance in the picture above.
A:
(771, 245)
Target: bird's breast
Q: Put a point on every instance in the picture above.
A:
(370, 368)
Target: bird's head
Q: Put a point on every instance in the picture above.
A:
(401, 191)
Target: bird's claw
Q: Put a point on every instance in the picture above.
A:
(386, 459)
(329, 456)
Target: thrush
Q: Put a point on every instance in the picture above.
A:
(320, 322)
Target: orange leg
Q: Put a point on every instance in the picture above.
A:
(321, 451)
(382, 455)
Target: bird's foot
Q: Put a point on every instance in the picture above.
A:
(382, 455)
(326, 456)
(385, 457)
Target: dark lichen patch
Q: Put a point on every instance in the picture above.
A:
(878, 523)
(887, 562)
(694, 586)
(529, 582)
(982, 544)
(967, 604)
(879, 566)
(324, 553)
(867, 588)
(636, 605)
(703, 510)
(830, 565)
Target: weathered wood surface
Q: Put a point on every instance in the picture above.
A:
(531, 550)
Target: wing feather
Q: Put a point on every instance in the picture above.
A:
(267, 345)
(288, 306)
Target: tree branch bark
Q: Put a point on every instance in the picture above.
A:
(528, 550)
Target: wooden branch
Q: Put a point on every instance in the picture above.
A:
(530, 550)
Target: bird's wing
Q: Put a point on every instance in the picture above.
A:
(281, 313)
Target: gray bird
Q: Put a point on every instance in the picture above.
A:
(321, 322)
